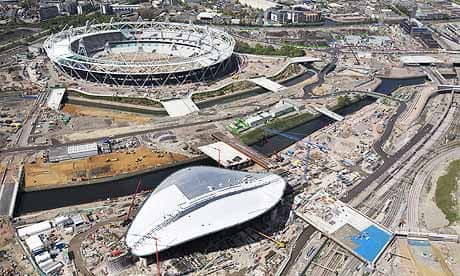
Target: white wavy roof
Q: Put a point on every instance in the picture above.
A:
(197, 201)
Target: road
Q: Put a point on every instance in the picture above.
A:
(298, 247)
(378, 146)
(29, 123)
(7, 186)
(75, 245)
(390, 179)
(391, 161)
(166, 126)
(133, 133)
(424, 175)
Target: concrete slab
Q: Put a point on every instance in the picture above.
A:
(55, 98)
(413, 60)
(7, 197)
(354, 231)
(304, 59)
(268, 84)
(329, 113)
(226, 155)
(180, 107)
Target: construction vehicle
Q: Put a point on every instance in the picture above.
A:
(157, 254)
(309, 145)
(111, 159)
(278, 243)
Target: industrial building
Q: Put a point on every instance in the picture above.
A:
(48, 12)
(197, 201)
(283, 107)
(225, 155)
(73, 152)
(258, 119)
(33, 229)
(416, 29)
(363, 237)
(297, 15)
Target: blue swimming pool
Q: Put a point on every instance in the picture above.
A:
(370, 242)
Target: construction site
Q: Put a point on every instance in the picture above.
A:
(347, 155)
(41, 175)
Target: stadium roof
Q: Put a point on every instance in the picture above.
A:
(209, 46)
(190, 203)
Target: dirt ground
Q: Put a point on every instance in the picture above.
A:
(433, 218)
(104, 165)
(12, 261)
(451, 253)
(116, 116)
(404, 265)
(428, 261)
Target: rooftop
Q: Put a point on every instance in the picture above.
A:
(224, 154)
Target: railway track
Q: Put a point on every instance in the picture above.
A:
(404, 174)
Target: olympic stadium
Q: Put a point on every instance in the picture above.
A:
(197, 201)
(142, 54)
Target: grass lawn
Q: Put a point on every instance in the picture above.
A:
(446, 189)
(281, 124)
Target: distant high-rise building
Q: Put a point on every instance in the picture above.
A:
(70, 7)
(48, 12)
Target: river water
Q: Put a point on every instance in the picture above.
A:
(50, 199)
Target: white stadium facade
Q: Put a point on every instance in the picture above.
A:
(143, 53)
(197, 201)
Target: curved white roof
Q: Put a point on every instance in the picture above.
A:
(197, 201)
(206, 46)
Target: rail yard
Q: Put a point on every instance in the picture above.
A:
(259, 139)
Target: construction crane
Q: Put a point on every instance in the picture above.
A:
(127, 219)
(218, 155)
(157, 253)
(308, 144)
(199, 272)
(278, 243)
(353, 52)
(266, 140)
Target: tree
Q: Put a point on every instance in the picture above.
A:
(27, 4)
(343, 100)
(147, 13)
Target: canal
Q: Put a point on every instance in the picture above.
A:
(50, 199)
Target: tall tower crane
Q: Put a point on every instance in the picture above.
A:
(128, 215)
(308, 144)
(157, 253)
(352, 52)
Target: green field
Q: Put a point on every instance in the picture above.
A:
(128, 100)
(446, 189)
(281, 124)
(256, 134)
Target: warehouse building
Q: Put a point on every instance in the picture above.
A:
(35, 245)
(73, 152)
(33, 229)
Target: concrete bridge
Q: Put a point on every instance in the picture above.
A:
(329, 113)
(429, 235)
